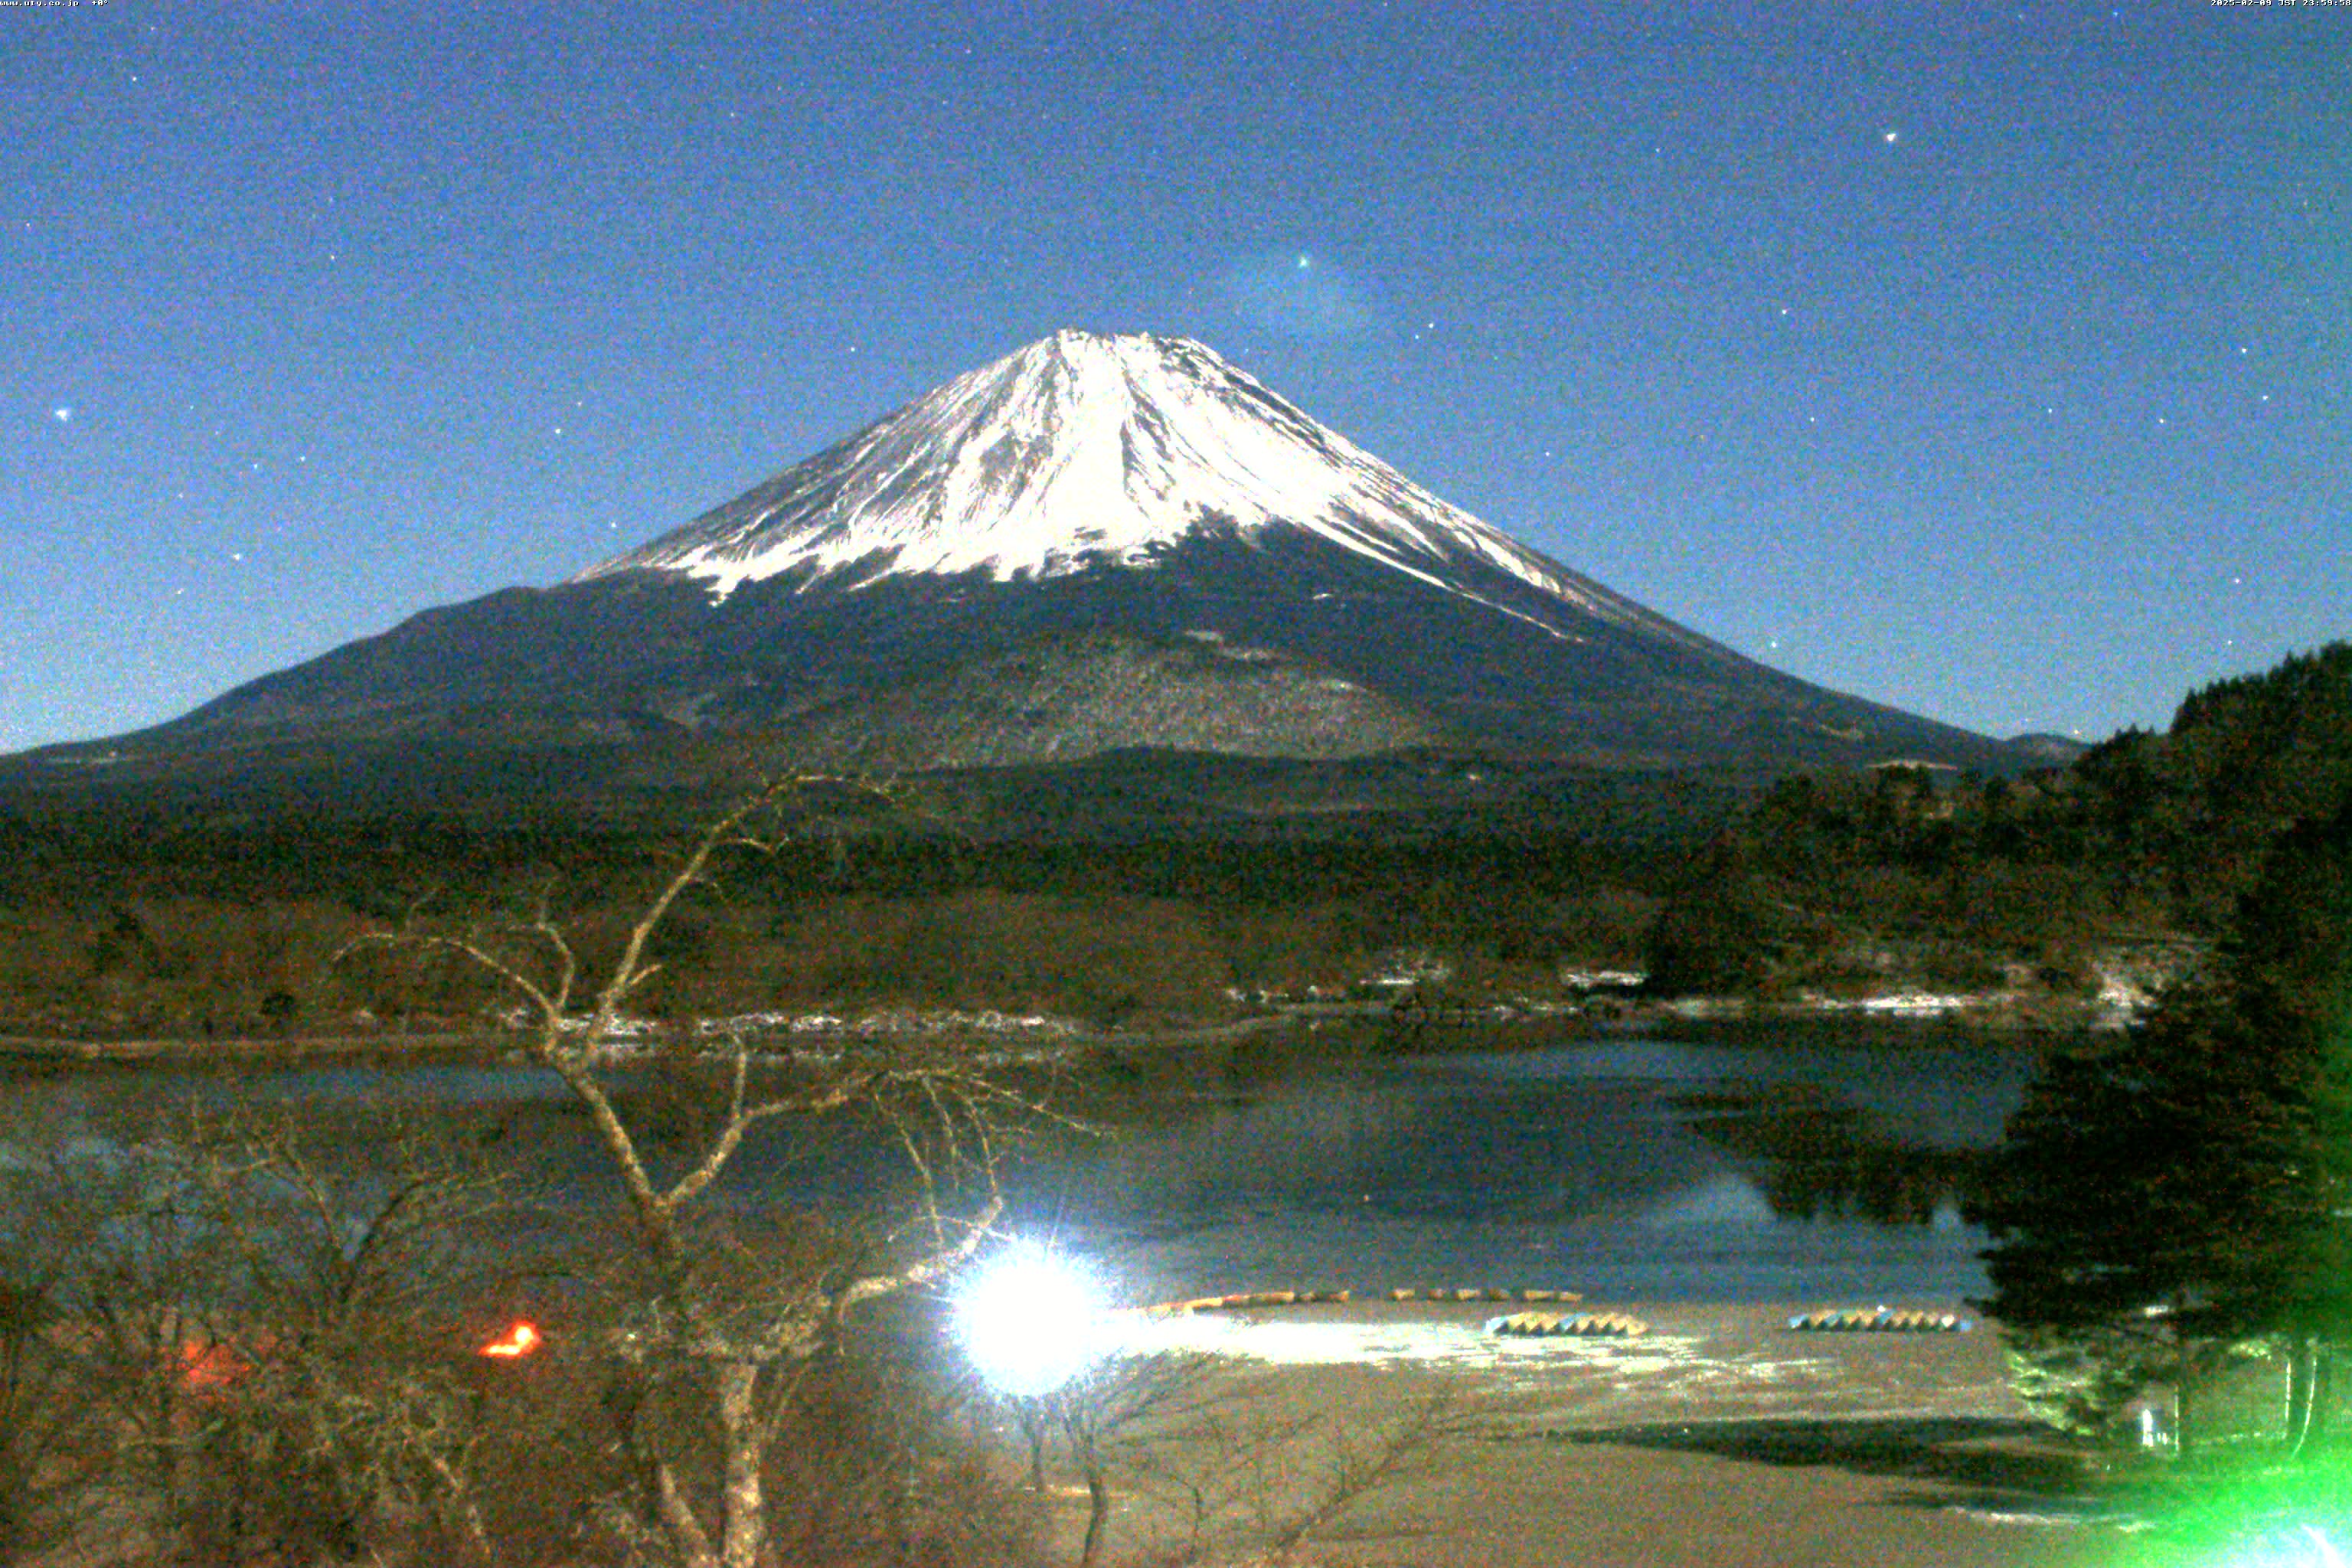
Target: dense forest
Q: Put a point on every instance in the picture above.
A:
(2146, 840)
(141, 915)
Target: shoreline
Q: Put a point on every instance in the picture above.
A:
(1744, 1356)
(1337, 1030)
(225, 1050)
(1719, 1437)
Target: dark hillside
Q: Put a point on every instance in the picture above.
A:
(2146, 837)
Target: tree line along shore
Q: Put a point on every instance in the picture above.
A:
(131, 920)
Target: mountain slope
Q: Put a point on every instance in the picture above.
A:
(1092, 542)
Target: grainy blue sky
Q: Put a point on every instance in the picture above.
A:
(1989, 361)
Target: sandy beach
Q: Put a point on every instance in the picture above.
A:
(1719, 1437)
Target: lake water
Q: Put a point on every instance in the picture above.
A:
(1629, 1168)
(1625, 1168)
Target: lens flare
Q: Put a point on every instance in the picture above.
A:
(2254, 1512)
(2302, 1546)
(1032, 1321)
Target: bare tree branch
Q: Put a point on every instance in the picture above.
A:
(748, 1342)
(938, 1265)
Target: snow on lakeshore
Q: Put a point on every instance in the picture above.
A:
(631, 1035)
(2113, 1008)
(1588, 980)
(1727, 1361)
(1908, 1003)
(1389, 1340)
(892, 1021)
(1889, 1004)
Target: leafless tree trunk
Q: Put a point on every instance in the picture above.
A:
(1098, 1416)
(744, 1510)
(742, 1343)
(1097, 1514)
(2309, 1366)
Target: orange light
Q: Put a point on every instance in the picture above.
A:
(521, 1339)
(207, 1367)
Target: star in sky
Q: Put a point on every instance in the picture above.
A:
(2076, 206)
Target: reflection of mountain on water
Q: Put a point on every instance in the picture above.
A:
(1634, 1166)
(1822, 1160)
(1641, 1131)
(1724, 1200)
(1428, 1148)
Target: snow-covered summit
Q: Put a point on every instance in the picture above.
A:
(1082, 450)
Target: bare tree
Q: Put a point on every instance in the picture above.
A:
(1358, 1462)
(235, 1347)
(336, 1401)
(1104, 1416)
(738, 1329)
(1223, 1463)
(46, 1431)
(1242, 1474)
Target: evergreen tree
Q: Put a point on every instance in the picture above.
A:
(2290, 963)
(2192, 1188)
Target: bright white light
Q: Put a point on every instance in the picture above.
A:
(2306, 1546)
(1032, 1321)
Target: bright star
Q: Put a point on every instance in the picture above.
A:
(1891, 137)
(1304, 263)
(62, 413)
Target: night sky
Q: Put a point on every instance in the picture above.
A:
(1987, 361)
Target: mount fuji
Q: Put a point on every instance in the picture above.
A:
(1096, 543)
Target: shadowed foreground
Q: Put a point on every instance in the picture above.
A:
(1720, 1438)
